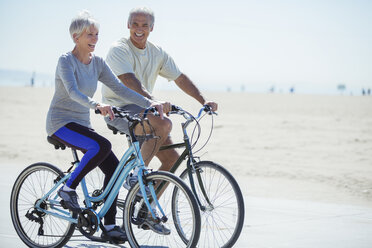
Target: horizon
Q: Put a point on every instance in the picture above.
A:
(16, 78)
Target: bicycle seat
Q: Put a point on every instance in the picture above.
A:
(114, 129)
(57, 144)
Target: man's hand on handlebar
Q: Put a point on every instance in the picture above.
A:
(213, 105)
(105, 110)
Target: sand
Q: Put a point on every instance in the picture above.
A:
(300, 147)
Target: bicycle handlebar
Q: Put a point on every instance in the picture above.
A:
(119, 112)
(187, 115)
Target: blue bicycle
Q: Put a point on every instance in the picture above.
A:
(41, 220)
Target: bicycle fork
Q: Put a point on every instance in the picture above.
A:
(191, 170)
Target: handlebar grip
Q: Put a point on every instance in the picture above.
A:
(207, 108)
(97, 111)
(152, 109)
(175, 108)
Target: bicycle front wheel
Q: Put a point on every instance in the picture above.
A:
(222, 204)
(185, 215)
(31, 185)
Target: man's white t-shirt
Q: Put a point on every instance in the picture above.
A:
(123, 57)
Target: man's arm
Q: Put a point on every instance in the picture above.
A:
(187, 86)
(130, 80)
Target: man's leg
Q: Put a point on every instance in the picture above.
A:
(167, 157)
(150, 148)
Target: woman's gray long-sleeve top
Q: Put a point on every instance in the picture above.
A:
(75, 85)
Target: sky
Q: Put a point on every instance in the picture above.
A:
(306, 44)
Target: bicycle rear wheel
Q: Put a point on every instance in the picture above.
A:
(183, 216)
(32, 184)
(223, 216)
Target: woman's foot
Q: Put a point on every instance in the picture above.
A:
(115, 234)
(69, 200)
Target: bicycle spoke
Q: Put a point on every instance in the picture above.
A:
(34, 182)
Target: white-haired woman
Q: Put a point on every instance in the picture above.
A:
(68, 121)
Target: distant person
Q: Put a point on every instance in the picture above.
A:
(272, 89)
(138, 62)
(68, 120)
(32, 79)
(369, 91)
(363, 92)
(291, 90)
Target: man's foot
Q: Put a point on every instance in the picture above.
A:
(116, 234)
(131, 181)
(69, 200)
(158, 227)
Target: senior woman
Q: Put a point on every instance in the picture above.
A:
(68, 120)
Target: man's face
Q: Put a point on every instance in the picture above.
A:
(140, 28)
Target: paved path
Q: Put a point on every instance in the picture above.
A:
(269, 223)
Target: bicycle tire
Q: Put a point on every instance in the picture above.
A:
(224, 221)
(188, 216)
(33, 182)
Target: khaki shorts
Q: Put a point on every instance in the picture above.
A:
(122, 124)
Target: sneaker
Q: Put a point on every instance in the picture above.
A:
(154, 225)
(131, 181)
(116, 234)
(69, 200)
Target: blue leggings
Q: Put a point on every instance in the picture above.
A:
(97, 152)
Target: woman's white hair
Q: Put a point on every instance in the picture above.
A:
(144, 11)
(81, 23)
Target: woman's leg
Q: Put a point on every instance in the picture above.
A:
(97, 151)
(95, 148)
(108, 167)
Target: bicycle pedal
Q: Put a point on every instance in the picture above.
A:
(143, 227)
(113, 241)
(63, 204)
(164, 219)
(116, 241)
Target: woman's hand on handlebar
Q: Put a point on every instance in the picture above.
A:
(167, 107)
(105, 110)
(159, 107)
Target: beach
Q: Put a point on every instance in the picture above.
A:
(292, 147)
(308, 147)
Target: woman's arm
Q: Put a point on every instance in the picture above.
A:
(66, 73)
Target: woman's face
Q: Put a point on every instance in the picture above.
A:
(88, 39)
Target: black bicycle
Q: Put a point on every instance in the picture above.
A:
(216, 190)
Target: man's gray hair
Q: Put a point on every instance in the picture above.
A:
(81, 23)
(144, 11)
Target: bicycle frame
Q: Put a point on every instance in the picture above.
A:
(190, 163)
(131, 158)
